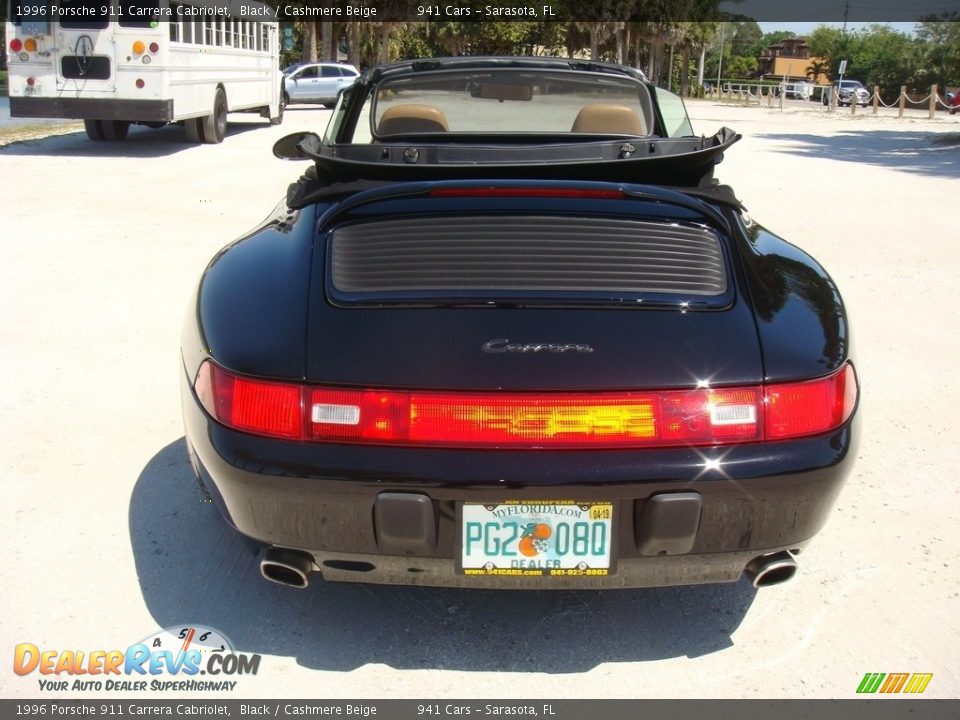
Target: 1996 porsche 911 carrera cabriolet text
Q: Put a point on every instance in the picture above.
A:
(508, 331)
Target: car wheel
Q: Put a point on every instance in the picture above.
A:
(214, 126)
(115, 130)
(94, 130)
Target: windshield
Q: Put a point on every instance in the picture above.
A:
(511, 101)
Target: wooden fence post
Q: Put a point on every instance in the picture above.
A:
(876, 98)
(903, 99)
(933, 101)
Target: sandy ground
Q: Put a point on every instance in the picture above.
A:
(107, 539)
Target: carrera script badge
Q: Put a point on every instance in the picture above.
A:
(503, 345)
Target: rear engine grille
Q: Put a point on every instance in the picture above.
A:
(74, 67)
(527, 254)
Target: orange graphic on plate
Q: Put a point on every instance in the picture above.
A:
(534, 539)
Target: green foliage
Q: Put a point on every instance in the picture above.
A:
(876, 55)
(938, 59)
(741, 66)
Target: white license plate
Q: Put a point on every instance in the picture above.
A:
(537, 538)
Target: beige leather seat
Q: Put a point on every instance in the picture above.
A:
(599, 118)
(411, 118)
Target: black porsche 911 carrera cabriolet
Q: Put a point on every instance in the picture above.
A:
(507, 331)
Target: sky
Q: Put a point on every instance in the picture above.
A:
(805, 28)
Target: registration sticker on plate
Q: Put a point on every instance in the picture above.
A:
(537, 538)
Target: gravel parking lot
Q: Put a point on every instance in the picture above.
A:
(108, 538)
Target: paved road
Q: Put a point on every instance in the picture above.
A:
(107, 538)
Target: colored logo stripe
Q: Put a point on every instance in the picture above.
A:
(918, 683)
(871, 682)
(894, 682)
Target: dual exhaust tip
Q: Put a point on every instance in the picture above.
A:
(293, 568)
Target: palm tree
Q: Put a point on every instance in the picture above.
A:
(816, 68)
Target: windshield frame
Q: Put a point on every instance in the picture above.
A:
(383, 86)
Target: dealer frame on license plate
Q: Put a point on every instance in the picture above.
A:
(537, 538)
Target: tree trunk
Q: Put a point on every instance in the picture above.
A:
(384, 51)
(700, 66)
(595, 42)
(326, 32)
(670, 71)
(309, 53)
(353, 51)
(685, 71)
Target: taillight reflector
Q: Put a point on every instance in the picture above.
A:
(263, 408)
(16, 45)
(30, 45)
(811, 407)
(527, 420)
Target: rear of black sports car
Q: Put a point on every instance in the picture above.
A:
(520, 384)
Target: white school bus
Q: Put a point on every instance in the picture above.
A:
(112, 63)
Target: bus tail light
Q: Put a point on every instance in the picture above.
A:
(138, 47)
(146, 59)
(140, 84)
(15, 45)
(154, 48)
(31, 81)
(30, 45)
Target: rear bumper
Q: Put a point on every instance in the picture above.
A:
(92, 108)
(323, 499)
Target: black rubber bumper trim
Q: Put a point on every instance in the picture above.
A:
(92, 109)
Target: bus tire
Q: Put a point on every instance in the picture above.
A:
(280, 108)
(94, 130)
(214, 126)
(115, 130)
(192, 128)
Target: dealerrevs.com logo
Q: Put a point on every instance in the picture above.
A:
(185, 658)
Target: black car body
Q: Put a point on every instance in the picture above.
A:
(486, 343)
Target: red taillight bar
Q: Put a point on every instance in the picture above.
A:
(538, 192)
(561, 420)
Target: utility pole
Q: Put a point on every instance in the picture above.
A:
(723, 27)
(846, 11)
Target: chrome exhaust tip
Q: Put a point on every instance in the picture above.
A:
(772, 569)
(287, 567)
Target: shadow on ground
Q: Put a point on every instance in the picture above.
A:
(143, 142)
(194, 569)
(927, 153)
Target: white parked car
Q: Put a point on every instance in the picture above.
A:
(317, 82)
(848, 92)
